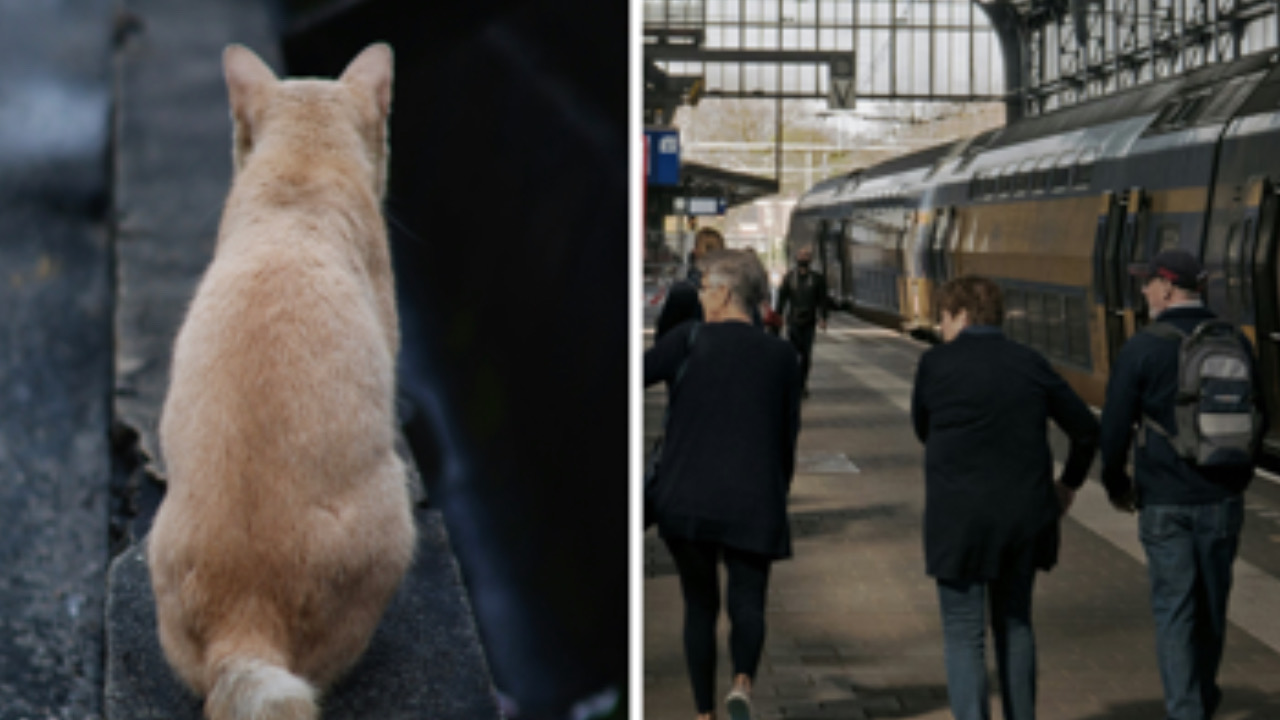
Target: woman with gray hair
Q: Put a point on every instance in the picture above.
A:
(729, 452)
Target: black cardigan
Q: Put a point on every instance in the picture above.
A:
(729, 448)
(980, 405)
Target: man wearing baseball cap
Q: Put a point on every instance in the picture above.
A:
(1190, 516)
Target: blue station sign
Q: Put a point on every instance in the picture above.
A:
(662, 157)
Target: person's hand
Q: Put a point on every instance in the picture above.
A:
(1124, 502)
(1066, 495)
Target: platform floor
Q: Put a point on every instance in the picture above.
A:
(853, 629)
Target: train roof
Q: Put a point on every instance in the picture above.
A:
(1178, 111)
(1141, 100)
(925, 157)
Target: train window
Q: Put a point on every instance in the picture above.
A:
(1055, 326)
(1061, 177)
(1084, 174)
(1015, 314)
(1077, 331)
(1187, 114)
(1166, 113)
(1235, 242)
(1024, 171)
(1247, 241)
(1036, 325)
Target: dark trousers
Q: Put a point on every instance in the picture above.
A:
(801, 336)
(748, 579)
(1190, 551)
(964, 630)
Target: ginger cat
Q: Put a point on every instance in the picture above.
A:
(287, 525)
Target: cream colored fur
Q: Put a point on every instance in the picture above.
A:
(286, 526)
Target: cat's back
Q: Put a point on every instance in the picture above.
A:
(282, 356)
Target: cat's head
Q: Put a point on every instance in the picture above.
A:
(347, 115)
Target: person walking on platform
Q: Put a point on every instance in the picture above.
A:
(720, 491)
(1195, 455)
(980, 405)
(802, 300)
(682, 297)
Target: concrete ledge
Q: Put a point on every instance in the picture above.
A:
(424, 660)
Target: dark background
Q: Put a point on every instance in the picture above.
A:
(508, 204)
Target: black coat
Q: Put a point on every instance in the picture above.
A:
(1144, 379)
(730, 443)
(980, 405)
(803, 300)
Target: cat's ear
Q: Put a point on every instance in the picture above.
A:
(371, 70)
(247, 79)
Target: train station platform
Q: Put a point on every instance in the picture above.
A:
(852, 623)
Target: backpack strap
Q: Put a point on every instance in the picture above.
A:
(1164, 331)
(688, 349)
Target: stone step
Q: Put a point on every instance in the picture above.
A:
(424, 660)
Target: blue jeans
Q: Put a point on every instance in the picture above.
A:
(1190, 550)
(964, 631)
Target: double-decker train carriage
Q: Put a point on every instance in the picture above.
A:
(1054, 208)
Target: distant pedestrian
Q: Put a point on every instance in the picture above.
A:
(1190, 509)
(682, 297)
(720, 494)
(761, 309)
(980, 405)
(802, 301)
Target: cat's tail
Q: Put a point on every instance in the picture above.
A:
(252, 689)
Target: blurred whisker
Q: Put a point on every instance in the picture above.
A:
(399, 225)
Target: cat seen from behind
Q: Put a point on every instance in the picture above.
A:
(286, 526)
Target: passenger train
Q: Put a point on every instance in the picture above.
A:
(1055, 207)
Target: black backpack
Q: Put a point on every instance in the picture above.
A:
(1218, 423)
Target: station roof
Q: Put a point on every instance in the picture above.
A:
(736, 188)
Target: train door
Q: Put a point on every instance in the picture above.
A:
(1111, 271)
(947, 240)
(1136, 249)
(1266, 295)
(831, 265)
(843, 240)
(912, 263)
(940, 266)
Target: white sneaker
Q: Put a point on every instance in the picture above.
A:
(738, 703)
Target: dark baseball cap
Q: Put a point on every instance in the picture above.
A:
(1177, 266)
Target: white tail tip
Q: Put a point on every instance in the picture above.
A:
(254, 690)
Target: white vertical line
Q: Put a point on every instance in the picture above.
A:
(635, 290)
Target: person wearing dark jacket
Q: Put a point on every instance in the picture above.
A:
(1189, 517)
(802, 301)
(682, 297)
(720, 493)
(980, 405)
